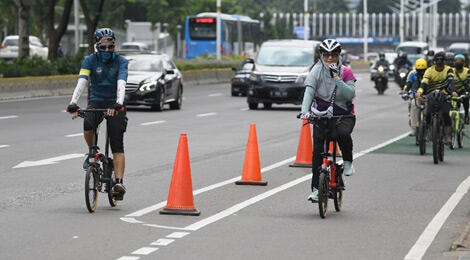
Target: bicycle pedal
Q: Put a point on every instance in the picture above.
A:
(118, 197)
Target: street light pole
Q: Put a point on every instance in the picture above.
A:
(402, 21)
(218, 31)
(366, 30)
(306, 33)
(421, 22)
(76, 17)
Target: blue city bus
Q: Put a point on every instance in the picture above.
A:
(240, 34)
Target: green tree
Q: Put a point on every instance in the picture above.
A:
(55, 34)
(92, 11)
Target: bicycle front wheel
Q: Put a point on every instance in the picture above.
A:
(91, 189)
(422, 138)
(323, 194)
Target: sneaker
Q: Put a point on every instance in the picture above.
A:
(447, 140)
(119, 188)
(348, 168)
(86, 163)
(313, 197)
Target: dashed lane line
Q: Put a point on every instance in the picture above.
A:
(128, 258)
(162, 242)
(74, 135)
(206, 114)
(177, 235)
(153, 123)
(4, 146)
(145, 251)
(215, 95)
(8, 117)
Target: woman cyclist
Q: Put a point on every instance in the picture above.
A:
(329, 78)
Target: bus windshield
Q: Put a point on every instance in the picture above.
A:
(410, 50)
(283, 56)
(202, 28)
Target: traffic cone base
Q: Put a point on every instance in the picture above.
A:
(184, 212)
(258, 183)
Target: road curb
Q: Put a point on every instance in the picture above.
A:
(462, 243)
(46, 86)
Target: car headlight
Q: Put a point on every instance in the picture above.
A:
(255, 77)
(301, 78)
(148, 87)
(392, 67)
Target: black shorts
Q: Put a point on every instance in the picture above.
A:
(116, 125)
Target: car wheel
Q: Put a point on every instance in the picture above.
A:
(179, 99)
(268, 105)
(161, 101)
(253, 106)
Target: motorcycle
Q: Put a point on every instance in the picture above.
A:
(400, 76)
(381, 80)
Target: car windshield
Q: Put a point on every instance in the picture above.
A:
(458, 51)
(284, 56)
(410, 49)
(130, 47)
(145, 65)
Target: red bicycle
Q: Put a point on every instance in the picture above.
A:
(331, 184)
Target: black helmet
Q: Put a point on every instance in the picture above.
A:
(440, 55)
(104, 33)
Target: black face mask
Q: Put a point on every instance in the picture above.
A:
(420, 72)
(440, 62)
(459, 66)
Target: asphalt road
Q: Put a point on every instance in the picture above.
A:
(388, 203)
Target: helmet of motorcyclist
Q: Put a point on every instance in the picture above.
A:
(421, 65)
(450, 58)
(430, 53)
(382, 56)
(459, 61)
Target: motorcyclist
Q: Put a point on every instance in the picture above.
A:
(439, 77)
(462, 81)
(329, 78)
(409, 90)
(382, 62)
(450, 59)
(402, 61)
(430, 57)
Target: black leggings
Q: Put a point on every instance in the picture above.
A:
(465, 105)
(344, 129)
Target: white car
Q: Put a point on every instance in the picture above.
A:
(9, 47)
(129, 48)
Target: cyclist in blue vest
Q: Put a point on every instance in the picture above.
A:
(106, 72)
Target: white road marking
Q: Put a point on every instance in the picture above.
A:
(215, 95)
(128, 258)
(162, 242)
(131, 220)
(53, 160)
(206, 114)
(424, 241)
(162, 204)
(154, 122)
(177, 235)
(63, 111)
(227, 212)
(4, 146)
(145, 251)
(164, 227)
(74, 135)
(244, 109)
(75, 237)
(8, 117)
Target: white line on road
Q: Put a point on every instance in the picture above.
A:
(128, 258)
(131, 220)
(4, 146)
(244, 109)
(74, 135)
(8, 117)
(154, 123)
(215, 95)
(227, 212)
(206, 114)
(145, 251)
(164, 227)
(177, 235)
(48, 161)
(162, 242)
(424, 241)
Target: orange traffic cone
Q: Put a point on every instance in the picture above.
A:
(330, 150)
(251, 168)
(305, 147)
(180, 197)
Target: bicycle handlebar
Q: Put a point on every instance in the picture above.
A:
(313, 117)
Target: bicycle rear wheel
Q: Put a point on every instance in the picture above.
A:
(323, 194)
(422, 138)
(112, 200)
(91, 189)
(435, 140)
(441, 145)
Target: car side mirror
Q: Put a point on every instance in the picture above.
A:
(170, 72)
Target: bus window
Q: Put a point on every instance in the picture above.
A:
(202, 28)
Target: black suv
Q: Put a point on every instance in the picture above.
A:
(279, 72)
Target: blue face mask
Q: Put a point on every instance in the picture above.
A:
(106, 56)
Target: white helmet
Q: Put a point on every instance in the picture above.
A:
(330, 45)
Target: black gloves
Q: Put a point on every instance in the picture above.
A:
(72, 108)
(118, 107)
